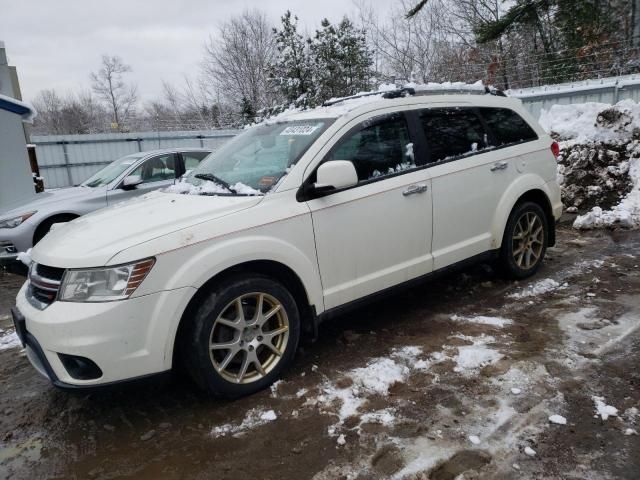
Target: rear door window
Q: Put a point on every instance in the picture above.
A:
(453, 132)
(507, 126)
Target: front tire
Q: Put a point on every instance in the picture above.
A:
(243, 335)
(525, 241)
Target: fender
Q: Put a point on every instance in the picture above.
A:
(519, 187)
(205, 263)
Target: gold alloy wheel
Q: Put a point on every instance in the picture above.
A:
(249, 338)
(528, 240)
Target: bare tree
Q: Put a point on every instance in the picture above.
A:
(109, 85)
(237, 60)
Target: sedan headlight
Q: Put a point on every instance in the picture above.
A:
(104, 284)
(13, 222)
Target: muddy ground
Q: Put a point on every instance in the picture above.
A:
(548, 348)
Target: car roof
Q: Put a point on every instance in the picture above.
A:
(367, 102)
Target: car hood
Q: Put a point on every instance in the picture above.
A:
(92, 240)
(47, 198)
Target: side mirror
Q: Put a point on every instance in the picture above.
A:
(131, 182)
(335, 174)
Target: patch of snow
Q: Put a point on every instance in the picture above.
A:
(529, 451)
(539, 288)
(204, 188)
(25, 257)
(516, 391)
(605, 411)
(384, 417)
(341, 440)
(494, 321)
(253, 419)
(474, 439)
(243, 189)
(558, 419)
(630, 431)
(470, 358)
(9, 339)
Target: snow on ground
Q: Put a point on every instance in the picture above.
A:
(558, 419)
(8, 339)
(253, 419)
(471, 358)
(605, 411)
(494, 321)
(539, 288)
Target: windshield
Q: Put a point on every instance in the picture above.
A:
(112, 171)
(254, 161)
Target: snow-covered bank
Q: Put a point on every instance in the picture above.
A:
(599, 167)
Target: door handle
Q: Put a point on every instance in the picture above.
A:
(499, 166)
(413, 189)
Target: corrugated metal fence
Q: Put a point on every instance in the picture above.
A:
(70, 159)
(67, 160)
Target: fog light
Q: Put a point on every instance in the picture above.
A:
(80, 368)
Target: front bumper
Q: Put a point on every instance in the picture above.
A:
(126, 339)
(14, 240)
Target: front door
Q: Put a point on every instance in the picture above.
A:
(378, 233)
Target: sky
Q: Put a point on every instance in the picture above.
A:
(57, 43)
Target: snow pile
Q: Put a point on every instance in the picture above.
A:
(253, 419)
(599, 165)
(8, 340)
(539, 288)
(481, 319)
(605, 411)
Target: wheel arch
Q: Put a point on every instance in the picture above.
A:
(528, 189)
(55, 218)
(269, 268)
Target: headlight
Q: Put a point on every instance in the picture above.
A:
(104, 284)
(13, 222)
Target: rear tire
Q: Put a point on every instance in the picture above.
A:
(525, 240)
(243, 335)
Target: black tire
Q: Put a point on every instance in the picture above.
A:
(508, 261)
(45, 226)
(197, 357)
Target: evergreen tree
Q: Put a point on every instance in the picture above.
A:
(291, 73)
(247, 110)
(342, 61)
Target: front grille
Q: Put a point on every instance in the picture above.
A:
(44, 283)
(52, 273)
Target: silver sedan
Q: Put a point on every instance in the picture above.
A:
(130, 176)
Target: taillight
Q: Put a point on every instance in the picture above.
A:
(555, 149)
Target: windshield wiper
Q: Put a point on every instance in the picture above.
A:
(212, 178)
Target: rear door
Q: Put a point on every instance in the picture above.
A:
(468, 177)
(378, 233)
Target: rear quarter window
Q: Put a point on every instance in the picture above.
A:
(507, 126)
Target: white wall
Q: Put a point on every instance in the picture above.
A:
(16, 181)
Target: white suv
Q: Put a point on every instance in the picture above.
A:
(291, 222)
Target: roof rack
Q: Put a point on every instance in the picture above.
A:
(409, 91)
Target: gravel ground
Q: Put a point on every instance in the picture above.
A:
(457, 376)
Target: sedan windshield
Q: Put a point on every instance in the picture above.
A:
(112, 171)
(254, 161)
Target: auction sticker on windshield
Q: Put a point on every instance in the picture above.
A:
(299, 130)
